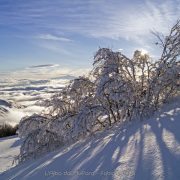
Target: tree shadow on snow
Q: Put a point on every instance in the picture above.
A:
(142, 150)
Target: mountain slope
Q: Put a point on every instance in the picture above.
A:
(9, 149)
(139, 150)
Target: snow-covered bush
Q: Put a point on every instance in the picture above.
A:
(8, 130)
(166, 78)
(121, 82)
(118, 89)
(38, 142)
(71, 98)
(31, 123)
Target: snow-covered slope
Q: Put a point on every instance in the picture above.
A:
(140, 150)
(9, 149)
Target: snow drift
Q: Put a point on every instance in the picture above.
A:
(139, 150)
(9, 149)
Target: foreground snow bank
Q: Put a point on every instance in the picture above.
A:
(141, 150)
(9, 149)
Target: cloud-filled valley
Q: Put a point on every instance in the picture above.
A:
(21, 92)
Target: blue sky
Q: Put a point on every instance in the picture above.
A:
(68, 32)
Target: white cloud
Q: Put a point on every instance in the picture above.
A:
(52, 46)
(129, 20)
(52, 38)
(109, 19)
(120, 49)
(137, 22)
(44, 73)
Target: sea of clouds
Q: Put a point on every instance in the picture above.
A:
(22, 91)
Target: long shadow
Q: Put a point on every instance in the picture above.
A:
(171, 161)
(103, 158)
(17, 143)
(88, 156)
(8, 137)
(97, 155)
(141, 172)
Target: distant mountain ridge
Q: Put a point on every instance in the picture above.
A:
(5, 103)
(43, 65)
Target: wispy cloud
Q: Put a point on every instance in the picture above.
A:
(53, 43)
(47, 72)
(78, 27)
(110, 19)
(136, 22)
(52, 38)
(54, 47)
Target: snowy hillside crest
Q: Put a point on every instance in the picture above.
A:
(147, 150)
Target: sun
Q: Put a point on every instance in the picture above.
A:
(143, 52)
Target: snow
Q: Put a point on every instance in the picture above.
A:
(9, 149)
(147, 149)
(5, 103)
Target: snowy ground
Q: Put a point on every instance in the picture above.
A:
(9, 149)
(141, 150)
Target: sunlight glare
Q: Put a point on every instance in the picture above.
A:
(143, 52)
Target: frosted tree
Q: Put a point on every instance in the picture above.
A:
(165, 82)
(121, 83)
(71, 98)
(109, 81)
(30, 123)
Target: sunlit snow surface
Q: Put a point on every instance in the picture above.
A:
(146, 150)
(9, 149)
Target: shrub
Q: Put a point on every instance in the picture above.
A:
(8, 130)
